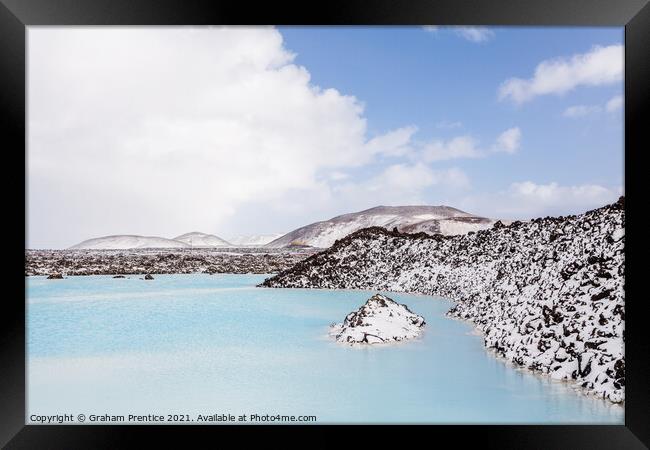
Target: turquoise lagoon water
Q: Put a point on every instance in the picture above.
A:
(216, 344)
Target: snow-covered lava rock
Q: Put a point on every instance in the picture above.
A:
(547, 294)
(379, 321)
(161, 261)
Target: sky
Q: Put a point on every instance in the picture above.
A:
(253, 130)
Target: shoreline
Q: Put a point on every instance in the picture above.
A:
(547, 295)
(474, 330)
(543, 376)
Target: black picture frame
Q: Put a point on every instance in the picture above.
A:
(16, 15)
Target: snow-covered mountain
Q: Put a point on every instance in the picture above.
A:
(429, 219)
(130, 241)
(127, 241)
(254, 240)
(547, 294)
(197, 239)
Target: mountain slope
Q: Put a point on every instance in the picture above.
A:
(127, 241)
(547, 294)
(255, 240)
(197, 239)
(430, 219)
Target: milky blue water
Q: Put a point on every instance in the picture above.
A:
(215, 344)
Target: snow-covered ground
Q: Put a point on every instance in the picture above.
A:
(168, 261)
(547, 294)
(380, 320)
(428, 219)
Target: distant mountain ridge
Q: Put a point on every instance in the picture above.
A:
(127, 241)
(194, 239)
(202, 240)
(412, 219)
(442, 219)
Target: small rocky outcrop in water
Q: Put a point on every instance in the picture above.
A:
(55, 276)
(148, 277)
(119, 276)
(380, 320)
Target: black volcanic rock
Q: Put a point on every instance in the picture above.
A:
(163, 261)
(547, 294)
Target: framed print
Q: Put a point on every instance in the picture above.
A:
(362, 213)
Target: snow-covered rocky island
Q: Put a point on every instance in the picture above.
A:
(547, 294)
(380, 320)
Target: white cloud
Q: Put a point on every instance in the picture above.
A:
(406, 177)
(467, 147)
(553, 195)
(393, 143)
(509, 141)
(527, 200)
(412, 178)
(599, 66)
(614, 104)
(458, 147)
(581, 111)
(395, 184)
(165, 130)
(453, 178)
(400, 184)
(475, 34)
(337, 175)
(417, 176)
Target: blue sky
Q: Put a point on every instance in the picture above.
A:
(249, 130)
(405, 75)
